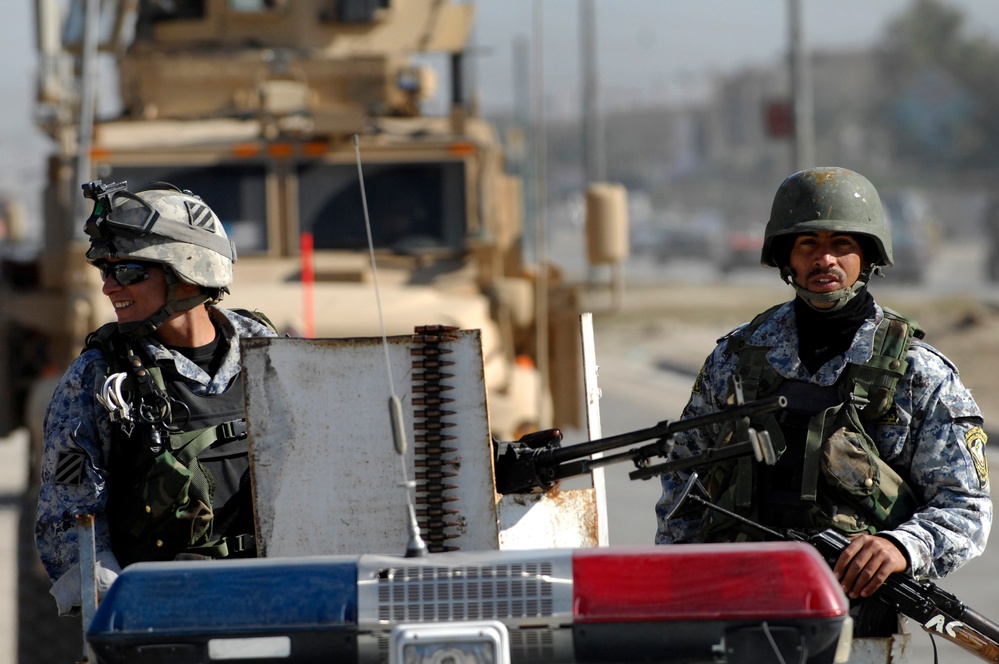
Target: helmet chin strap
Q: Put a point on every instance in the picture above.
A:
(839, 297)
(138, 329)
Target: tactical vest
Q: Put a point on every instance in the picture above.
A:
(178, 480)
(829, 472)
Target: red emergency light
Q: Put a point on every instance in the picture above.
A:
(763, 580)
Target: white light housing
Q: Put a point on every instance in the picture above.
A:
(481, 642)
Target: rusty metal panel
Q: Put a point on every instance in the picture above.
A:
(895, 649)
(327, 478)
(556, 519)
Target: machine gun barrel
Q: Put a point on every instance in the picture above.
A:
(522, 469)
(667, 429)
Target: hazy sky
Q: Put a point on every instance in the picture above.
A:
(657, 50)
(649, 51)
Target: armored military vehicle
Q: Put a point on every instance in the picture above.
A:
(276, 112)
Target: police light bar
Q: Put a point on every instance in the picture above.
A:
(736, 603)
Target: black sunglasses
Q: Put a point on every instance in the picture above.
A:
(125, 274)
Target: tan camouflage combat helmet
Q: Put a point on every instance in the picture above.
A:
(164, 225)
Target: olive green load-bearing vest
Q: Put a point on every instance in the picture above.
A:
(178, 486)
(843, 481)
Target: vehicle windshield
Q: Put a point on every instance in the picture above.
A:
(412, 207)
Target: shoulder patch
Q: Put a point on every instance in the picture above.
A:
(696, 389)
(975, 440)
(69, 468)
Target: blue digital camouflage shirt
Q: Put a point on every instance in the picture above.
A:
(77, 437)
(937, 441)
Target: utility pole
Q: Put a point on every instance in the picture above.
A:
(541, 210)
(593, 136)
(88, 94)
(801, 91)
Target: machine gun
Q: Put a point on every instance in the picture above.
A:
(537, 461)
(937, 611)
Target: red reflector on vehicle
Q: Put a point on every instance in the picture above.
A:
(462, 149)
(762, 580)
(246, 150)
(281, 150)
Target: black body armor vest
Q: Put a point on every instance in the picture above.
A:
(179, 483)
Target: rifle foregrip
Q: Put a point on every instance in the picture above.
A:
(985, 627)
(962, 634)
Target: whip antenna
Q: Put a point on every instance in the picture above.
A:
(416, 547)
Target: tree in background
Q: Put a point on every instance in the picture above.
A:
(941, 91)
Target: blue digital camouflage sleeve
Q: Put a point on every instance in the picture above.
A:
(73, 474)
(936, 438)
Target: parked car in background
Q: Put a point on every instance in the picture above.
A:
(669, 238)
(743, 250)
(913, 235)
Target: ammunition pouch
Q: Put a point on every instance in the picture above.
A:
(163, 513)
(856, 475)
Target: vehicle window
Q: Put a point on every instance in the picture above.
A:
(174, 10)
(254, 6)
(411, 206)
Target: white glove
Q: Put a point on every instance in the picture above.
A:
(67, 589)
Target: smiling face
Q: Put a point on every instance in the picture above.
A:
(826, 261)
(139, 300)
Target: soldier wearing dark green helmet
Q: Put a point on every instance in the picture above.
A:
(827, 199)
(879, 440)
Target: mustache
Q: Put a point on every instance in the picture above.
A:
(831, 271)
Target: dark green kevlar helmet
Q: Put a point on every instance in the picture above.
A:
(827, 199)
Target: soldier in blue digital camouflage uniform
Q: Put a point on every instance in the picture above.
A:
(880, 439)
(146, 430)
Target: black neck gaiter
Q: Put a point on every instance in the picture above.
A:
(208, 357)
(822, 335)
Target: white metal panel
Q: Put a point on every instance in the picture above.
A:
(594, 427)
(326, 477)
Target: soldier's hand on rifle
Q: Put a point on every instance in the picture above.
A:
(865, 564)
